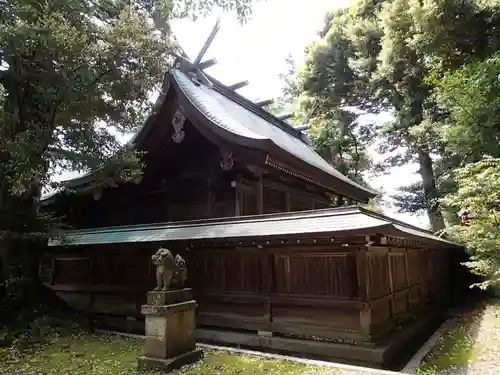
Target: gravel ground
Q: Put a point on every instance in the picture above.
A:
(478, 350)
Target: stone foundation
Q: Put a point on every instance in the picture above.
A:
(170, 330)
(170, 364)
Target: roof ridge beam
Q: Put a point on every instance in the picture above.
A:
(302, 127)
(264, 103)
(207, 43)
(285, 116)
(238, 85)
(207, 64)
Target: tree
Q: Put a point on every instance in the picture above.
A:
(334, 129)
(378, 55)
(478, 193)
(470, 95)
(342, 141)
(72, 73)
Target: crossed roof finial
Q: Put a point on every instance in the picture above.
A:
(194, 69)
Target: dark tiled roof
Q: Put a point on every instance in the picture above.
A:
(240, 117)
(316, 222)
(254, 126)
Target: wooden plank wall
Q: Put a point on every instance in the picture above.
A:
(402, 280)
(295, 291)
(346, 293)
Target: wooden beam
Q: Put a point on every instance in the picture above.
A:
(285, 188)
(210, 199)
(285, 116)
(207, 64)
(260, 196)
(238, 85)
(302, 127)
(207, 44)
(391, 283)
(244, 187)
(264, 103)
(238, 203)
(363, 276)
(237, 211)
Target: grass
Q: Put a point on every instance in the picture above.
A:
(457, 347)
(462, 344)
(110, 355)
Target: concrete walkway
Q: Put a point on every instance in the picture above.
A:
(331, 368)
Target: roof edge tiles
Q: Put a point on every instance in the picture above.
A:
(236, 117)
(279, 134)
(320, 222)
(132, 144)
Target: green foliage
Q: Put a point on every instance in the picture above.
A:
(73, 76)
(378, 55)
(341, 141)
(479, 193)
(334, 129)
(471, 96)
(92, 354)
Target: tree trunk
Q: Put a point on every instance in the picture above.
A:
(20, 251)
(431, 193)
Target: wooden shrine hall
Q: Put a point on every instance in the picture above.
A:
(279, 253)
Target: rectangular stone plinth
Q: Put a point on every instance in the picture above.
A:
(168, 309)
(170, 329)
(169, 297)
(169, 364)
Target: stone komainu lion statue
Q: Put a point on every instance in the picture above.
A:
(170, 272)
(181, 271)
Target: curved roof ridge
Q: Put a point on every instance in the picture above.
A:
(258, 110)
(244, 121)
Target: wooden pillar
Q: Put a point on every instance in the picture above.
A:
(288, 201)
(364, 288)
(169, 191)
(53, 266)
(365, 320)
(391, 281)
(238, 204)
(362, 269)
(210, 199)
(260, 196)
(407, 279)
(238, 197)
(91, 255)
(267, 287)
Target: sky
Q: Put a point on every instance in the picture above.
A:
(256, 51)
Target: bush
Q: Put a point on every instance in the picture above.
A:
(478, 193)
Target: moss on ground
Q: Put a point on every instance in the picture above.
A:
(111, 355)
(471, 339)
(457, 347)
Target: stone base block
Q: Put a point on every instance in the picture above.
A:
(170, 329)
(265, 333)
(169, 297)
(169, 364)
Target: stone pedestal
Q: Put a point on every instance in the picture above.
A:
(170, 330)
